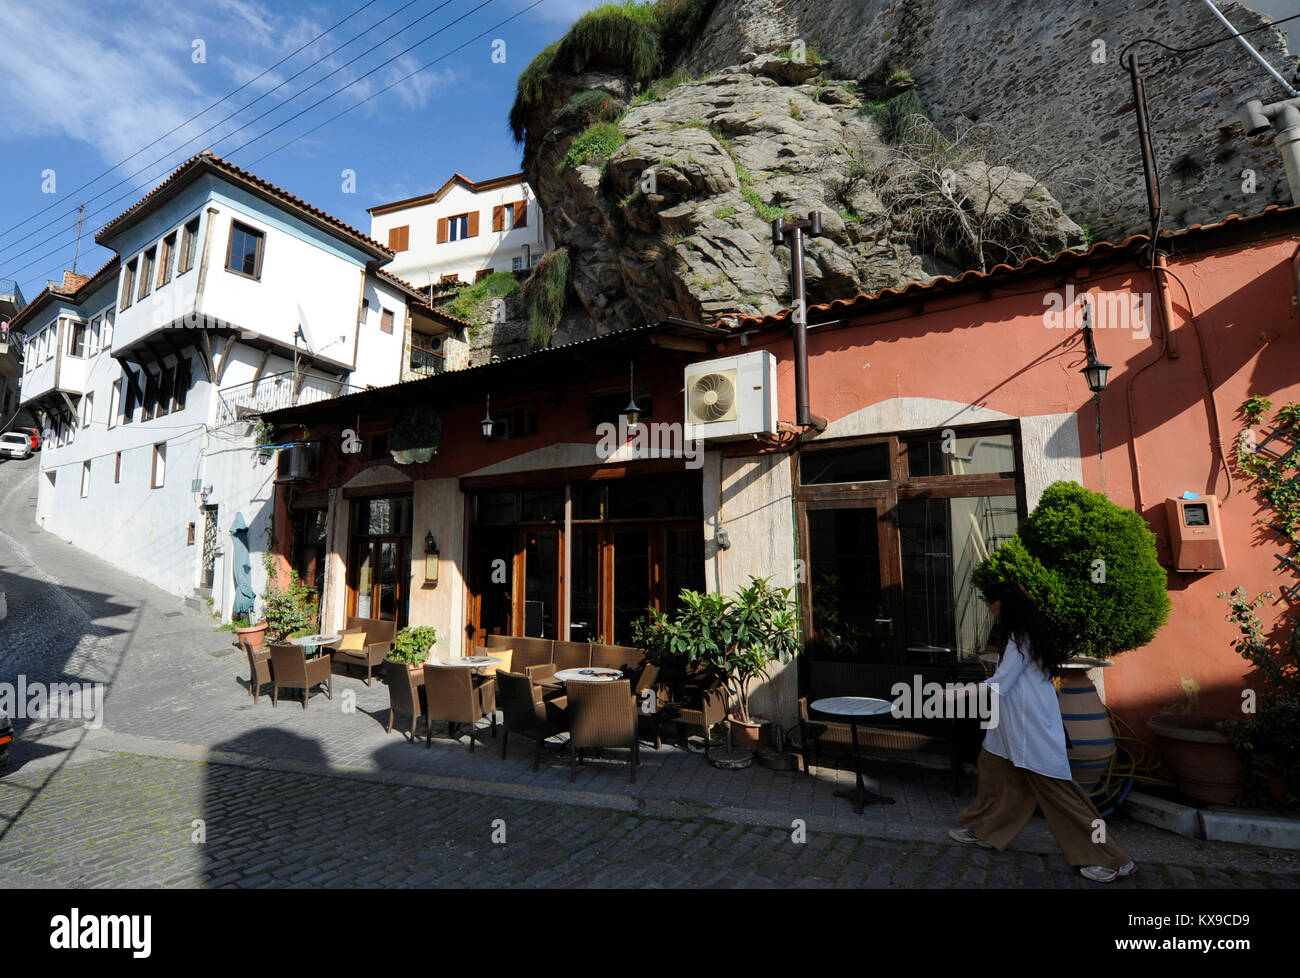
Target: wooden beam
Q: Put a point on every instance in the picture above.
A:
(682, 343)
(257, 377)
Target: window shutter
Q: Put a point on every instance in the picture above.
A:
(442, 230)
(473, 225)
(521, 213)
(498, 218)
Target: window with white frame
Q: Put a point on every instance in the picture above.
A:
(114, 400)
(87, 409)
(106, 332)
(85, 479)
(516, 264)
(92, 341)
(189, 240)
(78, 337)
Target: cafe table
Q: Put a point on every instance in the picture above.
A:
(311, 644)
(593, 675)
(853, 707)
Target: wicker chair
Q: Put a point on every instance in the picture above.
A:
(524, 711)
(623, 657)
(378, 643)
(453, 698)
(602, 715)
(404, 695)
(699, 706)
(259, 668)
(294, 670)
(571, 655)
(531, 656)
(645, 683)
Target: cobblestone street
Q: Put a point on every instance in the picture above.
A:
(278, 792)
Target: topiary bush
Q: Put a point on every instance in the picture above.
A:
(1092, 567)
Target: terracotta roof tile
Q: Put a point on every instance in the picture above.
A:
(1096, 250)
(88, 283)
(207, 159)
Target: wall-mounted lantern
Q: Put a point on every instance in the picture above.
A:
(487, 422)
(430, 560)
(633, 410)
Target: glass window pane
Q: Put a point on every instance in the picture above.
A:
(844, 572)
(585, 499)
(970, 455)
(541, 505)
(631, 581)
(683, 565)
(942, 540)
(496, 507)
(584, 592)
(539, 584)
(861, 463)
(655, 499)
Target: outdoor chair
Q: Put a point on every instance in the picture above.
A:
(453, 698)
(623, 657)
(369, 654)
(293, 670)
(259, 668)
(645, 684)
(602, 715)
(531, 656)
(571, 655)
(525, 712)
(703, 706)
(404, 695)
(505, 655)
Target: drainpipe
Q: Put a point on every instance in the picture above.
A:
(1257, 118)
(799, 315)
(1247, 45)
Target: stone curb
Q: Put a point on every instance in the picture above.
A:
(1215, 824)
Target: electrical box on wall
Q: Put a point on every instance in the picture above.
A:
(1195, 534)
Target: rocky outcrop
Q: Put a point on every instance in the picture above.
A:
(1049, 76)
(676, 222)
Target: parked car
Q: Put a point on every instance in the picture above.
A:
(34, 434)
(6, 736)
(15, 444)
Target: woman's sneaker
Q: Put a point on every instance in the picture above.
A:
(1104, 874)
(967, 837)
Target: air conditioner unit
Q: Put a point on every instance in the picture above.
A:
(297, 463)
(731, 398)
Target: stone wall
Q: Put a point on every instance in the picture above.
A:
(1031, 68)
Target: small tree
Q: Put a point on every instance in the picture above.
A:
(290, 610)
(1092, 567)
(734, 640)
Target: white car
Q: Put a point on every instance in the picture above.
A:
(15, 444)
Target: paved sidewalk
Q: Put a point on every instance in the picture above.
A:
(176, 693)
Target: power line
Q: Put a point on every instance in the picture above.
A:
(342, 88)
(422, 67)
(192, 118)
(1207, 44)
(220, 122)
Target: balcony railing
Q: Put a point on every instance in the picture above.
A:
(425, 362)
(273, 392)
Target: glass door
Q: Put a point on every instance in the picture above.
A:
(541, 580)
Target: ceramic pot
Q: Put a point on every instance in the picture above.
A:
(1204, 763)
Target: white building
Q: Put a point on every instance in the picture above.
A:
(229, 297)
(463, 230)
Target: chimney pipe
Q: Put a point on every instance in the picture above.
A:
(799, 315)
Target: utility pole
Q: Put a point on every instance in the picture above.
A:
(799, 316)
(81, 218)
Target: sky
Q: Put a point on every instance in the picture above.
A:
(86, 85)
(89, 86)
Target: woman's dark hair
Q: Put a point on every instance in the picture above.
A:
(1022, 620)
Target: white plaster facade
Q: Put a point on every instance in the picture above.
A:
(310, 323)
(426, 260)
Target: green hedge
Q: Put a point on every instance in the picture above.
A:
(1092, 566)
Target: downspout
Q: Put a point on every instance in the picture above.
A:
(1247, 45)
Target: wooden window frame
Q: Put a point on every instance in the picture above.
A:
(399, 238)
(181, 386)
(147, 259)
(166, 251)
(386, 316)
(117, 468)
(189, 238)
(127, 295)
(159, 452)
(237, 226)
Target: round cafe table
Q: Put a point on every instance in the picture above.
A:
(854, 707)
(311, 644)
(475, 662)
(588, 675)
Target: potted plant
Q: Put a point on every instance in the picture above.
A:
(1093, 568)
(246, 632)
(289, 610)
(412, 646)
(732, 641)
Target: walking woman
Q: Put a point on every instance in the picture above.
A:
(1023, 764)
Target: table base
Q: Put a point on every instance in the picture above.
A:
(862, 797)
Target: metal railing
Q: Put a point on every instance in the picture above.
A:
(8, 288)
(426, 362)
(273, 392)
